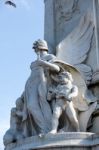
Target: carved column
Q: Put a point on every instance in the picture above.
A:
(49, 25)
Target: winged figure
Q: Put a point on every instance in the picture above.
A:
(75, 47)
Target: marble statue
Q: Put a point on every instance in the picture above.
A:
(55, 99)
(60, 102)
(73, 30)
(63, 93)
(15, 132)
(35, 93)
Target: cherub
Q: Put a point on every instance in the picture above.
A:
(63, 94)
(15, 132)
(20, 111)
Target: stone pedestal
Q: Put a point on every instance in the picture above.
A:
(60, 141)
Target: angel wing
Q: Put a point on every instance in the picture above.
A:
(79, 102)
(75, 47)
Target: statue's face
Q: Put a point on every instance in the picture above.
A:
(63, 79)
(60, 78)
(13, 111)
(37, 50)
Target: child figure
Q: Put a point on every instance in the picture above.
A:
(15, 132)
(63, 94)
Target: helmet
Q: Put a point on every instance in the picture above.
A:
(40, 44)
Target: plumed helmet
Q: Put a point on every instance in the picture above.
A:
(40, 44)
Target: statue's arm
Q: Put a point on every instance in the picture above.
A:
(25, 113)
(49, 65)
(74, 92)
(51, 94)
(19, 113)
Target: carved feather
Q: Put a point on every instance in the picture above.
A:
(75, 47)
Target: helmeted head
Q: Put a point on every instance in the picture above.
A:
(40, 45)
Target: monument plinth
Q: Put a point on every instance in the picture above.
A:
(60, 141)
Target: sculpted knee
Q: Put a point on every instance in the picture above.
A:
(57, 112)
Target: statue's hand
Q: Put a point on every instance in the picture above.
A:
(19, 113)
(24, 116)
(40, 62)
(70, 96)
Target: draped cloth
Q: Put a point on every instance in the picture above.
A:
(35, 98)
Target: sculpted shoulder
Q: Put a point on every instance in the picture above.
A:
(49, 57)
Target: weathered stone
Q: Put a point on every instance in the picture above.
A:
(75, 30)
(65, 141)
(61, 95)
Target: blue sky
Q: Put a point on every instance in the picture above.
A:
(18, 29)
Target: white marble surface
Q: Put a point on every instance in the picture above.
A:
(63, 140)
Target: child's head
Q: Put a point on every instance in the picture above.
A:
(19, 103)
(62, 77)
(66, 75)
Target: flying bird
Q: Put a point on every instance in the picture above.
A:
(10, 3)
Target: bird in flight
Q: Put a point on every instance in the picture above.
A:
(10, 3)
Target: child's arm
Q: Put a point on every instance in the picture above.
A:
(50, 94)
(19, 113)
(73, 93)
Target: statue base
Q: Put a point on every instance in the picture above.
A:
(60, 141)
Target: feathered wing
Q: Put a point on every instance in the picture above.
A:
(79, 102)
(75, 47)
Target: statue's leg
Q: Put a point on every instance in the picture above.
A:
(36, 115)
(55, 118)
(44, 105)
(72, 116)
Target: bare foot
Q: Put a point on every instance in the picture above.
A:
(53, 132)
(41, 135)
